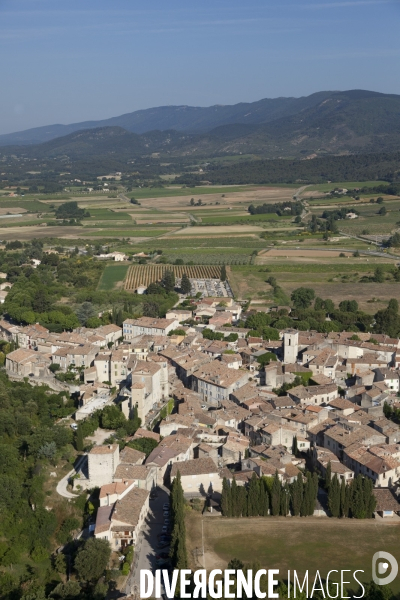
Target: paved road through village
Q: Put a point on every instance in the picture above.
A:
(146, 549)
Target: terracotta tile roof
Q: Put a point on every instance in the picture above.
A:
(127, 510)
(386, 500)
(131, 456)
(197, 466)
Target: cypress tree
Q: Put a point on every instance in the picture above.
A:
(285, 500)
(178, 552)
(242, 501)
(264, 500)
(234, 499)
(307, 505)
(315, 484)
(328, 476)
(334, 497)
(296, 495)
(294, 446)
(369, 498)
(186, 286)
(253, 497)
(223, 273)
(310, 491)
(276, 495)
(357, 504)
(344, 500)
(79, 443)
(226, 501)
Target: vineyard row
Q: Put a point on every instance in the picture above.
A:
(147, 274)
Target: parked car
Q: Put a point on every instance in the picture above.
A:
(74, 426)
(162, 545)
(166, 506)
(166, 513)
(162, 555)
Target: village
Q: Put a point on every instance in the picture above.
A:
(238, 405)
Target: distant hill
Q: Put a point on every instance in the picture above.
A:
(189, 118)
(327, 123)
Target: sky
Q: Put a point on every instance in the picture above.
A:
(69, 61)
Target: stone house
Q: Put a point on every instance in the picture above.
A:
(199, 477)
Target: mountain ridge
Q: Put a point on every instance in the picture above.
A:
(356, 121)
(185, 118)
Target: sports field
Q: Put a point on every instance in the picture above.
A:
(309, 543)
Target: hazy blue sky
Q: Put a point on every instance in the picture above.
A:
(67, 61)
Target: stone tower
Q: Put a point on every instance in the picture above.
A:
(290, 346)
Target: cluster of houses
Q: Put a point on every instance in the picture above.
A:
(229, 419)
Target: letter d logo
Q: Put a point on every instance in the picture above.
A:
(383, 567)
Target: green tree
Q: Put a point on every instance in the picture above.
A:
(168, 281)
(276, 495)
(344, 499)
(112, 417)
(223, 273)
(379, 275)
(294, 446)
(92, 559)
(334, 497)
(328, 475)
(296, 494)
(253, 497)
(226, 501)
(79, 440)
(178, 551)
(302, 297)
(186, 286)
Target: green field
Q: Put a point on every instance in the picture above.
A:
(187, 191)
(294, 543)
(104, 214)
(120, 233)
(242, 219)
(348, 185)
(112, 275)
(29, 205)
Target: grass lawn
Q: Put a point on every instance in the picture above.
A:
(294, 543)
(112, 275)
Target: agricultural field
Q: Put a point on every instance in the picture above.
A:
(348, 185)
(112, 232)
(30, 206)
(330, 277)
(105, 214)
(112, 277)
(146, 274)
(299, 543)
(209, 230)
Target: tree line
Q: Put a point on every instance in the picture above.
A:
(356, 167)
(269, 496)
(355, 499)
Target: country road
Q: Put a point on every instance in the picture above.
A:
(63, 483)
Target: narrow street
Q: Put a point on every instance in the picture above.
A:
(63, 483)
(146, 549)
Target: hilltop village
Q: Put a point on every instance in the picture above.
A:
(225, 408)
